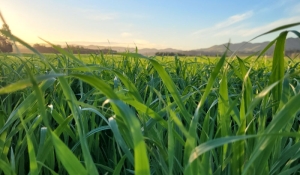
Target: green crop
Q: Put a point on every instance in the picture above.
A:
(130, 114)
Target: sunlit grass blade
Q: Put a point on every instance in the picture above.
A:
(26, 104)
(168, 82)
(239, 147)
(145, 109)
(278, 68)
(22, 84)
(119, 139)
(191, 141)
(263, 149)
(141, 161)
(278, 29)
(32, 155)
(130, 86)
(223, 119)
(71, 99)
(68, 159)
(47, 147)
(266, 49)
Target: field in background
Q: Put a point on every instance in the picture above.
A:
(130, 114)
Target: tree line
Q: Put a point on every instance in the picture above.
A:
(5, 44)
(168, 54)
(74, 49)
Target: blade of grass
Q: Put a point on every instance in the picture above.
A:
(67, 158)
(278, 68)
(140, 157)
(119, 139)
(191, 142)
(262, 149)
(168, 82)
(223, 119)
(6, 168)
(118, 168)
(32, 156)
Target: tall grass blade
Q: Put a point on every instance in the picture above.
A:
(119, 139)
(141, 161)
(68, 159)
(168, 82)
(278, 29)
(262, 148)
(191, 141)
(118, 168)
(278, 68)
(6, 168)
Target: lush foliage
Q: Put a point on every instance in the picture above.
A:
(97, 114)
(5, 44)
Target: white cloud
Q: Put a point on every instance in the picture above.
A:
(241, 31)
(229, 31)
(262, 29)
(234, 19)
(228, 22)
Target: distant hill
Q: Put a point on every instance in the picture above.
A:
(244, 48)
(292, 45)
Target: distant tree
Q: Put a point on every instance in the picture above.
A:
(44, 49)
(73, 49)
(5, 44)
(168, 54)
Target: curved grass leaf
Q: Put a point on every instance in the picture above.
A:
(118, 168)
(262, 149)
(31, 152)
(277, 29)
(22, 84)
(119, 139)
(51, 170)
(71, 100)
(141, 161)
(67, 158)
(278, 68)
(26, 104)
(169, 83)
(94, 131)
(191, 141)
(6, 168)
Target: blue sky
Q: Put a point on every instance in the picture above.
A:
(148, 24)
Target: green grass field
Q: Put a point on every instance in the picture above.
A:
(131, 114)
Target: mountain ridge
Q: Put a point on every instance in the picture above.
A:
(242, 48)
(292, 44)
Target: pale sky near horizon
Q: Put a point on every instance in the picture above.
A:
(187, 25)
